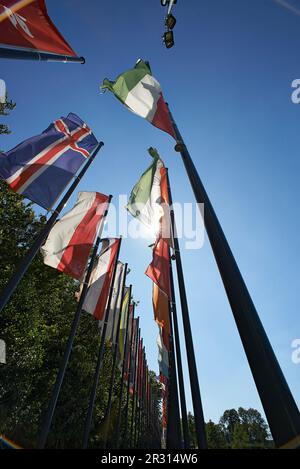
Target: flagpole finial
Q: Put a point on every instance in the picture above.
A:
(179, 147)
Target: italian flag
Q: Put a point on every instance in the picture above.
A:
(142, 94)
(149, 200)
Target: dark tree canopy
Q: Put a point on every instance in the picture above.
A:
(35, 326)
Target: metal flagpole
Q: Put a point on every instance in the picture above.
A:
(46, 424)
(19, 54)
(173, 425)
(30, 255)
(138, 390)
(113, 371)
(128, 383)
(138, 334)
(279, 405)
(88, 422)
(195, 389)
(185, 427)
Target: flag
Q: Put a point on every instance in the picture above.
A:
(69, 243)
(2, 92)
(142, 94)
(122, 332)
(163, 354)
(25, 25)
(162, 313)
(131, 367)
(99, 285)
(144, 200)
(116, 303)
(149, 199)
(41, 167)
(159, 269)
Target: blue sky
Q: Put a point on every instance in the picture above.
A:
(228, 82)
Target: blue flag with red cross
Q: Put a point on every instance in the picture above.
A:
(41, 167)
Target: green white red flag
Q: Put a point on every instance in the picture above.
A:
(142, 94)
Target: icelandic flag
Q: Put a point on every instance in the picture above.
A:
(41, 167)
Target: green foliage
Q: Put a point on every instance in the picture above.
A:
(237, 429)
(240, 437)
(5, 109)
(215, 436)
(35, 326)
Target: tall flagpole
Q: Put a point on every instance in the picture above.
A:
(173, 425)
(19, 54)
(185, 427)
(136, 358)
(138, 390)
(195, 388)
(31, 253)
(46, 423)
(277, 400)
(113, 371)
(88, 422)
(118, 426)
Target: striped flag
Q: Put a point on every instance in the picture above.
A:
(100, 281)
(142, 94)
(69, 243)
(159, 269)
(116, 303)
(161, 313)
(41, 167)
(149, 199)
(126, 307)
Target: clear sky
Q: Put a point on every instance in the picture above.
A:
(228, 82)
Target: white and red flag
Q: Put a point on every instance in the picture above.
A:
(99, 285)
(26, 25)
(69, 243)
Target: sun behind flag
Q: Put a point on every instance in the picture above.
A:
(41, 167)
(142, 94)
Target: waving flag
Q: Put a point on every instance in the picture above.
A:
(25, 25)
(116, 303)
(69, 243)
(126, 309)
(99, 285)
(142, 94)
(161, 313)
(159, 269)
(41, 167)
(144, 200)
(149, 199)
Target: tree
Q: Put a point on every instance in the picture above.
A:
(228, 422)
(240, 437)
(35, 326)
(216, 438)
(255, 425)
(5, 109)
